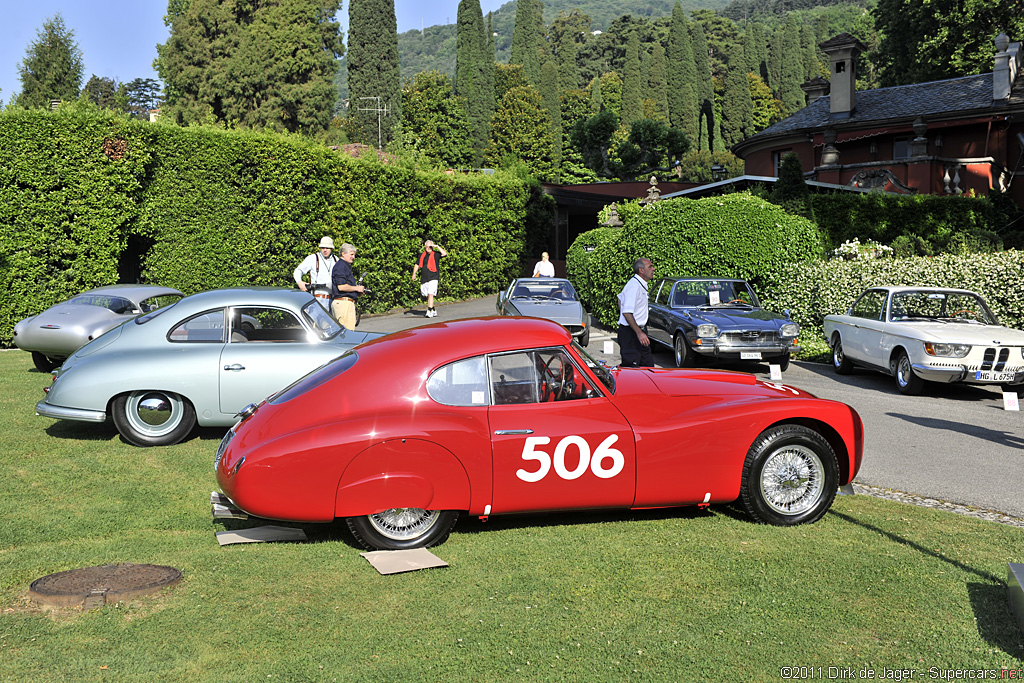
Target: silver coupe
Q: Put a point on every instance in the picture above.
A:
(62, 329)
(202, 359)
(549, 298)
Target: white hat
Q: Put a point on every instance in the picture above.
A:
(327, 242)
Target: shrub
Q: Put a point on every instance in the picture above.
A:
(736, 235)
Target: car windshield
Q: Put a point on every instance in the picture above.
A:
(117, 304)
(325, 326)
(723, 293)
(557, 290)
(599, 369)
(947, 307)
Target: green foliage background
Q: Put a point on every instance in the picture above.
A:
(736, 235)
(226, 208)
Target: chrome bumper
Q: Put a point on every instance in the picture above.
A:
(958, 374)
(61, 413)
(733, 350)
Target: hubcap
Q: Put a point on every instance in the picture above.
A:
(792, 480)
(837, 355)
(403, 524)
(902, 371)
(153, 413)
(680, 351)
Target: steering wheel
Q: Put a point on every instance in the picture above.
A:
(965, 313)
(737, 301)
(553, 387)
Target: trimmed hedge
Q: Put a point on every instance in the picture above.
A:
(736, 235)
(813, 290)
(214, 208)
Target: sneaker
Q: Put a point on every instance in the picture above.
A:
(433, 312)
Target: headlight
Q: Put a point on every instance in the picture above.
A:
(789, 330)
(954, 350)
(707, 330)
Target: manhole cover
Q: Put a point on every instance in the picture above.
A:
(95, 586)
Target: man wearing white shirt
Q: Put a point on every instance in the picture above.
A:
(634, 345)
(319, 267)
(544, 267)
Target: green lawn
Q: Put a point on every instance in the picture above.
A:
(670, 595)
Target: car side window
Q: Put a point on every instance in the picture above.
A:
(462, 383)
(660, 292)
(540, 376)
(870, 305)
(261, 324)
(203, 328)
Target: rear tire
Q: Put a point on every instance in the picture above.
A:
(784, 363)
(44, 363)
(840, 363)
(153, 418)
(907, 382)
(402, 528)
(585, 337)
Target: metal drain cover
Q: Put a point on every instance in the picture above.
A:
(95, 586)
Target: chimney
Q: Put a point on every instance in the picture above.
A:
(815, 88)
(842, 52)
(1008, 62)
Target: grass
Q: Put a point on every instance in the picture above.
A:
(667, 595)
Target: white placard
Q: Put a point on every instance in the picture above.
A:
(1010, 401)
(714, 297)
(775, 371)
(608, 350)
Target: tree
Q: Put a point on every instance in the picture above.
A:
(632, 97)
(651, 145)
(143, 95)
(521, 131)
(941, 38)
(755, 50)
(682, 75)
(105, 93)
(705, 89)
(596, 98)
(436, 121)
(526, 41)
(790, 191)
(506, 77)
(568, 70)
(52, 68)
(553, 107)
(575, 107)
(471, 78)
(809, 45)
(266, 65)
(373, 69)
(792, 74)
(737, 107)
(767, 108)
(658, 85)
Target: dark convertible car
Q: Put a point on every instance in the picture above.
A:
(718, 318)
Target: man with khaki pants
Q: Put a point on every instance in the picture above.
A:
(344, 289)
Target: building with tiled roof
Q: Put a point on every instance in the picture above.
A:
(943, 137)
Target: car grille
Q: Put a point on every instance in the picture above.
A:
(750, 338)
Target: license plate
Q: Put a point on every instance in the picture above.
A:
(750, 355)
(992, 376)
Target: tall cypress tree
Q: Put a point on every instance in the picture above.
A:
(568, 69)
(756, 50)
(489, 69)
(470, 76)
(705, 89)
(810, 51)
(658, 84)
(373, 69)
(737, 106)
(552, 105)
(774, 63)
(792, 74)
(596, 100)
(526, 41)
(682, 76)
(632, 97)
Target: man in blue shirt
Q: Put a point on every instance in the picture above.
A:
(344, 289)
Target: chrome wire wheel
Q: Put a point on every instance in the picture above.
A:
(792, 480)
(403, 524)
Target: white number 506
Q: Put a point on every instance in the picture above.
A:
(605, 463)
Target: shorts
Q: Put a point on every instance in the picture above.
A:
(429, 287)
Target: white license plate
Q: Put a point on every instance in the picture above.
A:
(992, 376)
(750, 355)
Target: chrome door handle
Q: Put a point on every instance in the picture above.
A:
(506, 432)
(234, 368)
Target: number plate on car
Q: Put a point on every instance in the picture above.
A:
(991, 376)
(750, 355)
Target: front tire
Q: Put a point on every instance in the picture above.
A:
(907, 382)
(153, 418)
(681, 351)
(790, 476)
(402, 528)
(44, 363)
(585, 337)
(840, 363)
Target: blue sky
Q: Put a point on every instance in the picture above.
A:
(118, 38)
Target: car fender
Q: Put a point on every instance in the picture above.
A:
(412, 473)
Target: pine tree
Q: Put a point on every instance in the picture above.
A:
(792, 74)
(682, 75)
(632, 98)
(471, 64)
(658, 85)
(756, 50)
(568, 70)
(810, 52)
(737, 106)
(52, 68)
(774, 64)
(106, 93)
(790, 191)
(373, 69)
(705, 89)
(526, 41)
(552, 106)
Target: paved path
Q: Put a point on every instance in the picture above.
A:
(955, 443)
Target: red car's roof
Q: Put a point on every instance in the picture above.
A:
(440, 342)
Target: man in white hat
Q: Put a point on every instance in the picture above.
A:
(318, 266)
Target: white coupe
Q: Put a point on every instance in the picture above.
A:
(926, 334)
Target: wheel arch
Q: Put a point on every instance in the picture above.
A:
(403, 472)
(833, 437)
(894, 354)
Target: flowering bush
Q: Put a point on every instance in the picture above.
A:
(853, 250)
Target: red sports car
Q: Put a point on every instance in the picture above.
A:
(503, 415)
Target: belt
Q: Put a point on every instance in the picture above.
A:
(321, 295)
